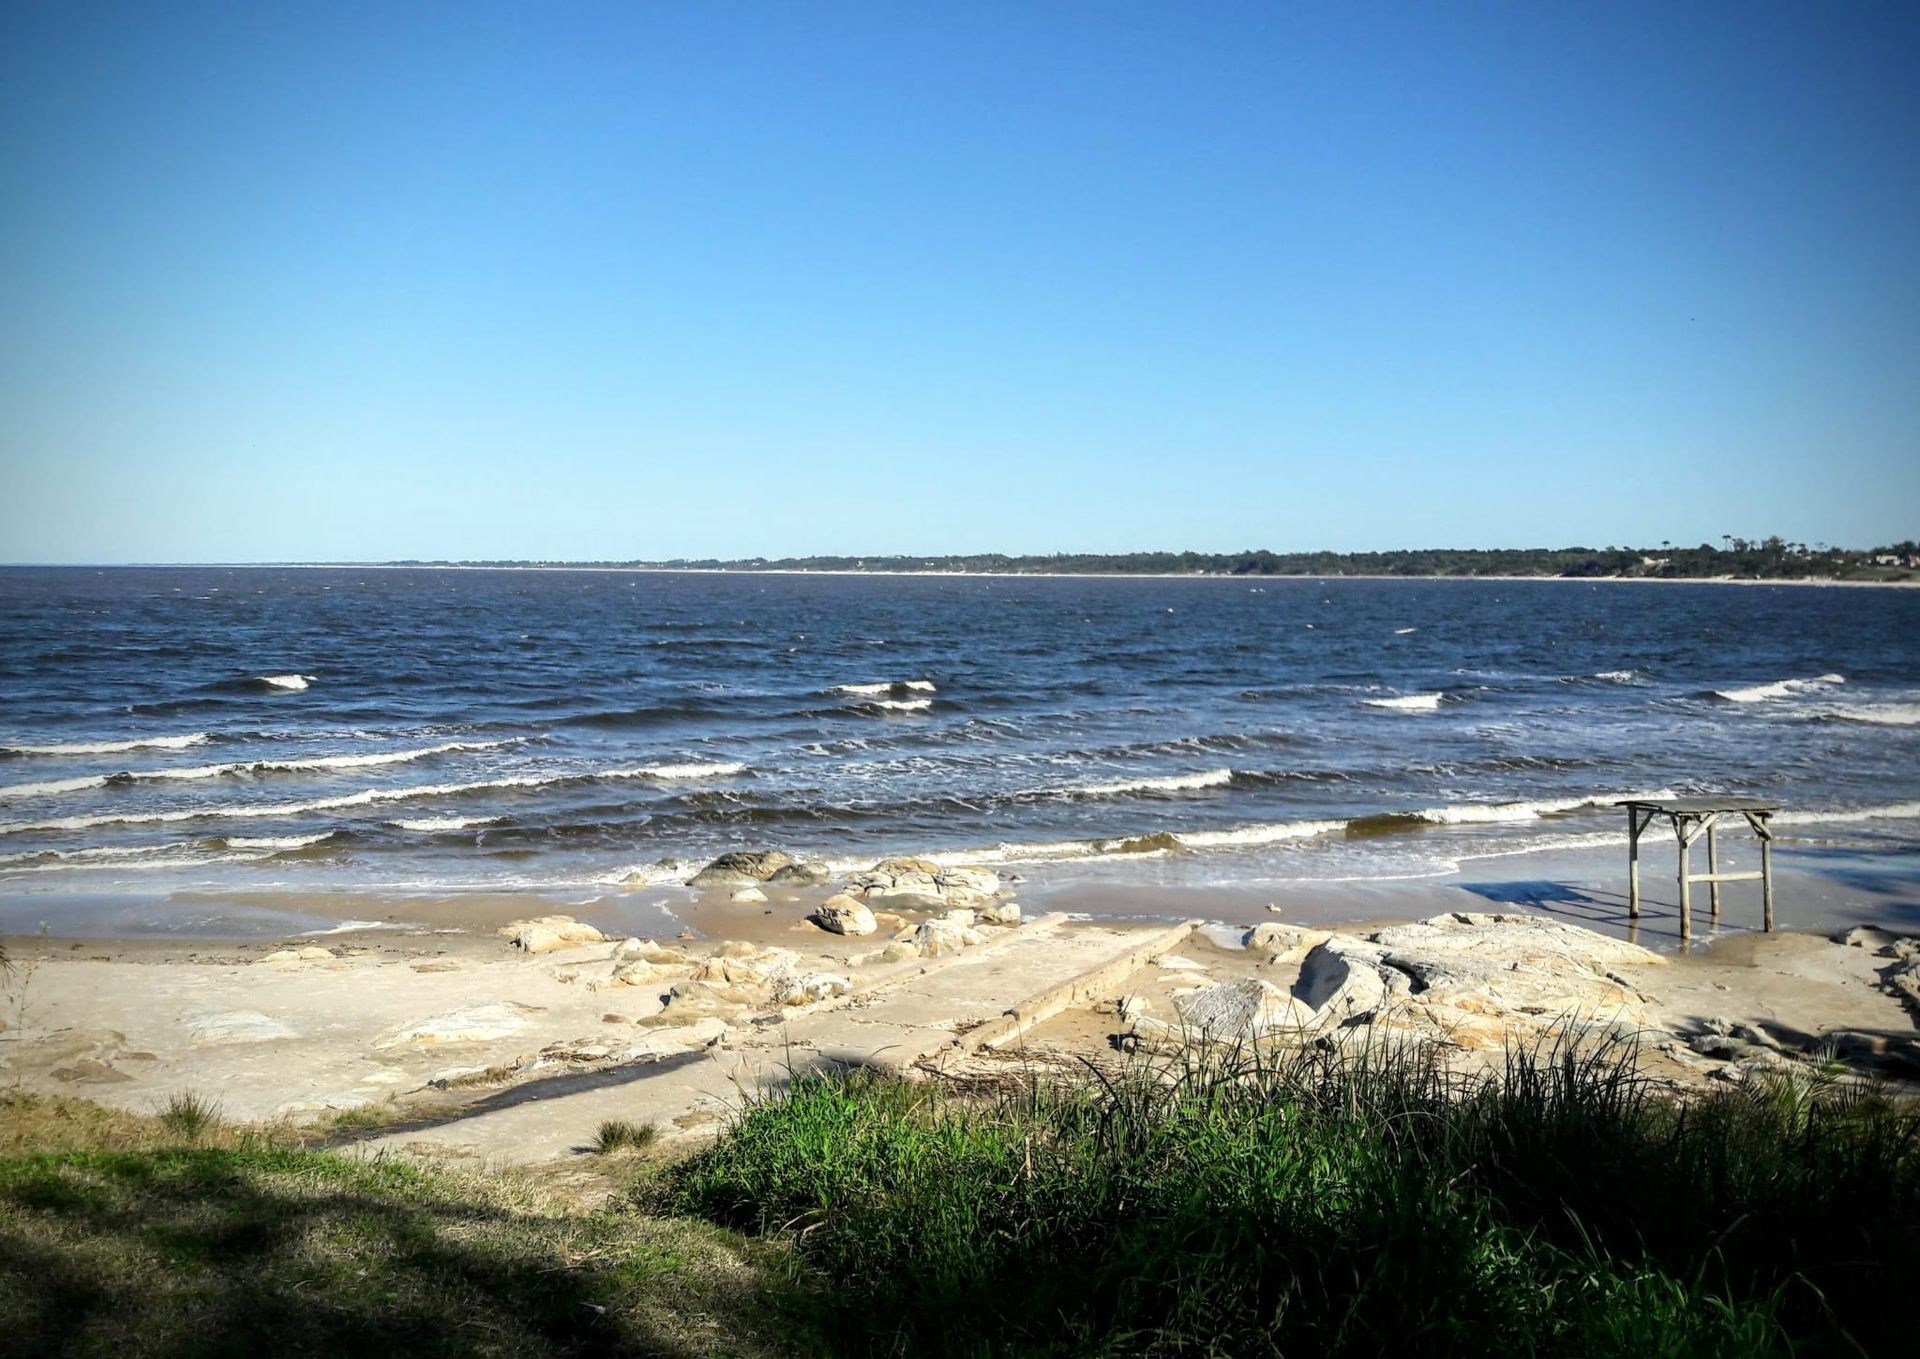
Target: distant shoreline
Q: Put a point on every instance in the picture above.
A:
(1059, 575)
(955, 575)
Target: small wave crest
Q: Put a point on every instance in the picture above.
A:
(885, 687)
(108, 747)
(433, 824)
(1172, 783)
(1872, 714)
(288, 683)
(899, 705)
(1764, 693)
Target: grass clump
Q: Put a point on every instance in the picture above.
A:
(189, 1116)
(618, 1134)
(1334, 1201)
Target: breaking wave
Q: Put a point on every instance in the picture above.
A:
(235, 768)
(290, 683)
(109, 747)
(1172, 783)
(1763, 693)
(366, 797)
(446, 823)
(886, 687)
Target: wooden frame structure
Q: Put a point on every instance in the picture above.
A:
(1691, 817)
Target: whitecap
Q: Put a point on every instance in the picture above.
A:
(1402, 632)
(885, 687)
(1873, 714)
(1408, 703)
(291, 683)
(902, 705)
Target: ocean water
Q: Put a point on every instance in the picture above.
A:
(241, 729)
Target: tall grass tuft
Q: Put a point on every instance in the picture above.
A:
(1337, 1200)
(189, 1116)
(617, 1134)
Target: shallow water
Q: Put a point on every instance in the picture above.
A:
(413, 730)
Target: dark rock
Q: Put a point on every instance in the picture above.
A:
(742, 867)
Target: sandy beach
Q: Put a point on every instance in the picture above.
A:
(412, 1023)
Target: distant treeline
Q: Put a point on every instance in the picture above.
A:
(1762, 559)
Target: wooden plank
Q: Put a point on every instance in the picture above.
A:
(1748, 876)
(1712, 878)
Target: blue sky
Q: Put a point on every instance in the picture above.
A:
(339, 281)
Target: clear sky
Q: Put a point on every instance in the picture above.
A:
(298, 281)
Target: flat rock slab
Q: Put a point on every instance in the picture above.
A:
(922, 1012)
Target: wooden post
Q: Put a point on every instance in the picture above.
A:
(1766, 877)
(1633, 861)
(1713, 873)
(1686, 891)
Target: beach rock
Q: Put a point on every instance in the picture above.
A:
(1177, 962)
(812, 873)
(934, 938)
(843, 914)
(1283, 944)
(967, 882)
(961, 916)
(89, 1071)
(1475, 976)
(1869, 937)
(1000, 913)
(482, 1022)
(742, 868)
(907, 901)
(809, 988)
(651, 951)
(548, 933)
(298, 955)
(747, 969)
(899, 951)
(750, 896)
(1241, 1009)
(235, 1026)
(692, 1000)
(1340, 980)
(890, 922)
(641, 972)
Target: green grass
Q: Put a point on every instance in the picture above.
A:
(189, 1116)
(129, 1244)
(1337, 1202)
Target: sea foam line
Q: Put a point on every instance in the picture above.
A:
(366, 797)
(110, 747)
(885, 687)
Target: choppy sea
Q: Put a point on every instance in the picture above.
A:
(408, 730)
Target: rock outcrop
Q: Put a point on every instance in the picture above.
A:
(550, 932)
(742, 868)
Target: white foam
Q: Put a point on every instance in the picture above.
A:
(1174, 783)
(111, 747)
(288, 682)
(1874, 714)
(1890, 811)
(689, 771)
(1402, 632)
(446, 823)
(274, 842)
(885, 687)
(1270, 833)
(1762, 693)
(1407, 703)
(1493, 813)
(312, 764)
(352, 926)
(903, 705)
(1616, 676)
